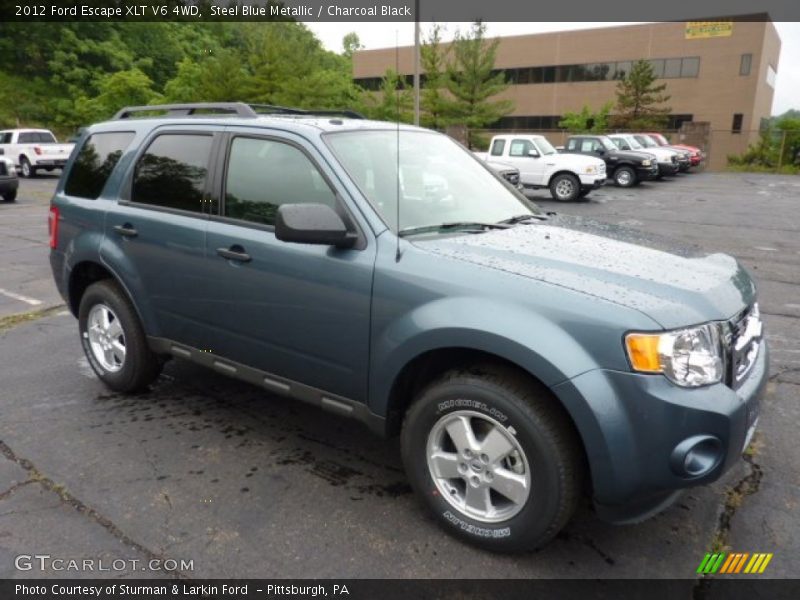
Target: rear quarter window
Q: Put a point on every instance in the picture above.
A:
(95, 162)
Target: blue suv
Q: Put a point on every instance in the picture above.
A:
(383, 273)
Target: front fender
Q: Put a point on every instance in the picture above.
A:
(538, 345)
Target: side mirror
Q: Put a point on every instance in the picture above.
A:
(533, 153)
(312, 224)
(600, 151)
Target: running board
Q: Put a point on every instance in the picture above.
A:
(272, 383)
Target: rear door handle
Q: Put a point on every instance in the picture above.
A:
(235, 252)
(126, 230)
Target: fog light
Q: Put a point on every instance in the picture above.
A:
(696, 456)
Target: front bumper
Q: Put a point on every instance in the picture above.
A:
(8, 184)
(647, 173)
(632, 425)
(593, 181)
(667, 168)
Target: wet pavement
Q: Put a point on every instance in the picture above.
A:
(235, 482)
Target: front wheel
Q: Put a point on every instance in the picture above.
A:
(565, 187)
(10, 196)
(494, 456)
(625, 177)
(25, 168)
(113, 339)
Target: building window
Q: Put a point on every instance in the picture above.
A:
(736, 127)
(690, 67)
(672, 68)
(745, 64)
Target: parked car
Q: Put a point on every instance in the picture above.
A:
(625, 168)
(521, 357)
(34, 149)
(683, 156)
(696, 155)
(507, 172)
(8, 179)
(667, 159)
(567, 176)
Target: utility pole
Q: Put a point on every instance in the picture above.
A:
(416, 63)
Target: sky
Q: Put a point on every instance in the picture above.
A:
(382, 35)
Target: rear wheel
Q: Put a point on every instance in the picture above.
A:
(494, 457)
(625, 177)
(565, 187)
(10, 196)
(113, 339)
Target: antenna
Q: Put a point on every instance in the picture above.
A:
(397, 102)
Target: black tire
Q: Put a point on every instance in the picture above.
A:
(551, 451)
(140, 365)
(10, 196)
(25, 168)
(625, 177)
(585, 192)
(569, 182)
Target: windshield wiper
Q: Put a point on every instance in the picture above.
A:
(520, 218)
(454, 225)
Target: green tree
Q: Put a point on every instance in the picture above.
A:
(394, 102)
(435, 104)
(350, 44)
(124, 88)
(587, 121)
(640, 99)
(471, 82)
(788, 140)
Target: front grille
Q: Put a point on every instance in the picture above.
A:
(511, 177)
(743, 343)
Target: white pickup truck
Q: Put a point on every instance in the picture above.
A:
(34, 149)
(567, 176)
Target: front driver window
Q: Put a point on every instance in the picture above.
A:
(264, 174)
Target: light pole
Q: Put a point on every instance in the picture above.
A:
(416, 62)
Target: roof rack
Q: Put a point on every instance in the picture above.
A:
(287, 110)
(239, 109)
(174, 110)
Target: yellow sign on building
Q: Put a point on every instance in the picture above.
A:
(696, 30)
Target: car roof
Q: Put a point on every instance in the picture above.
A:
(296, 123)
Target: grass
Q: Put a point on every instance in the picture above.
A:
(784, 170)
(10, 321)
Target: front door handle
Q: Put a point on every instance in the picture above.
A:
(126, 230)
(235, 252)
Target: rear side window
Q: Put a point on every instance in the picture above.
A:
(172, 172)
(5, 138)
(497, 147)
(264, 174)
(95, 162)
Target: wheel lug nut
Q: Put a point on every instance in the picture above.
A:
(489, 476)
(462, 467)
(484, 458)
(468, 453)
(475, 481)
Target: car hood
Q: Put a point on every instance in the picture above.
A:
(673, 284)
(576, 160)
(638, 155)
(662, 153)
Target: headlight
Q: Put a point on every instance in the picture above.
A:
(591, 170)
(647, 163)
(687, 357)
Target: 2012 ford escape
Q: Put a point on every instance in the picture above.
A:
(383, 273)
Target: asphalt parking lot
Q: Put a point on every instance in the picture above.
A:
(209, 470)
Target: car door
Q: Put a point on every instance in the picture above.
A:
(155, 234)
(531, 168)
(298, 311)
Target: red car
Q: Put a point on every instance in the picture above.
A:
(696, 156)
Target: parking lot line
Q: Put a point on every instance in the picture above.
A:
(20, 297)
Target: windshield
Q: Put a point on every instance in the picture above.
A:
(632, 142)
(607, 143)
(439, 181)
(545, 147)
(646, 141)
